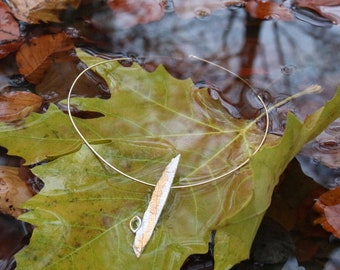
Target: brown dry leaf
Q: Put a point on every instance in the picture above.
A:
(327, 8)
(13, 191)
(37, 11)
(17, 105)
(63, 75)
(9, 32)
(268, 10)
(33, 59)
(9, 28)
(131, 12)
(328, 205)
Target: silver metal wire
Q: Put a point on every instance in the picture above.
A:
(144, 182)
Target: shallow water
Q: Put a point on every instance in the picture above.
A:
(278, 59)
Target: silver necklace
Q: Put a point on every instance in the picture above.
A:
(144, 228)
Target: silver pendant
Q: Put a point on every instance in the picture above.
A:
(143, 228)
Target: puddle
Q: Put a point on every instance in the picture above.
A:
(278, 58)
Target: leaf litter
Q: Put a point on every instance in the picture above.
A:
(48, 157)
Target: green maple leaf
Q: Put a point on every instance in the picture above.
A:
(82, 214)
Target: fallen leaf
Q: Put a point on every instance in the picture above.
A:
(143, 148)
(82, 214)
(13, 191)
(268, 10)
(9, 27)
(9, 32)
(17, 105)
(63, 74)
(37, 11)
(328, 205)
(34, 58)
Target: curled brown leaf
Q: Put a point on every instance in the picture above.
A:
(17, 105)
(34, 58)
(13, 191)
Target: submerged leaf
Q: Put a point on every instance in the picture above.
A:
(33, 59)
(82, 214)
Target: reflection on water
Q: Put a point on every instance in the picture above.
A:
(320, 158)
(279, 57)
(334, 262)
(325, 176)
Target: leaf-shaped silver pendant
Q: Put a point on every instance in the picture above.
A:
(150, 218)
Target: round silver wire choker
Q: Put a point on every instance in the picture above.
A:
(144, 182)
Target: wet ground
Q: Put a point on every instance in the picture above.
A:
(277, 57)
